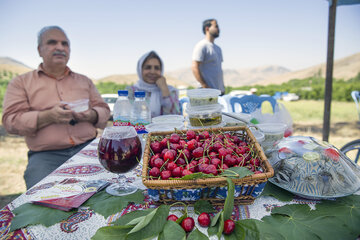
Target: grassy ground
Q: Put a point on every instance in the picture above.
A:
(306, 115)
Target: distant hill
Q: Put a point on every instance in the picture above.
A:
(13, 65)
(344, 68)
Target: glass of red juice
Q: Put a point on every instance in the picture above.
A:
(119, 152)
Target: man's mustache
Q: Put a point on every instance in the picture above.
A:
(60, 53)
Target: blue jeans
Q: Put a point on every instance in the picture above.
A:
(42, 163)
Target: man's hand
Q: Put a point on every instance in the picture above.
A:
(89, 115)
(161, 83)
(57, 114)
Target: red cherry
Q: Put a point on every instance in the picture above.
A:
(174, 138)
(202, 167)
(192, 144)
(255, 162)
(169, 156)
(177, 172)
(188, 224)
(186, 172)
(229, 226)
(172, 217)
(204, 160)
(180, 161)
(211, 169)
(215, 161)
(158, 163)
(154, 172)
(205, 134)
(204, 219)
(190, 135)
(198, 152)
(171, 166)
(163, 143)
(230, 160)
(166, 174)
(156, 147)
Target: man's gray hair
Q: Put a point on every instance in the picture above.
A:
(48, 28)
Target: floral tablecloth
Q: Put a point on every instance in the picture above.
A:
(84, 223)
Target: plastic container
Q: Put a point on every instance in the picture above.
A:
(273, 132)
(260, 136)
(166, 126)
(168, 119)
(80, 105)
(140, 114)
(122, 109)
(236, 119)
(205, 115)
(203, 96)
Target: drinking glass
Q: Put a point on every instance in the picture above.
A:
(119, 151)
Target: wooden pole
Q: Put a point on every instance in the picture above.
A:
(329, 70)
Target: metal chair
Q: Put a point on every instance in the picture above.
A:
(182, 101)
(249, 103)
(356, 96)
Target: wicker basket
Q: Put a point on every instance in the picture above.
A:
(212, 189)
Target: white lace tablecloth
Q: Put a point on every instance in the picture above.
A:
(84, 223)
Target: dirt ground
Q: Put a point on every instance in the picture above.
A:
(14, 147)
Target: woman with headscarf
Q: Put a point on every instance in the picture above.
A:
(163, 98)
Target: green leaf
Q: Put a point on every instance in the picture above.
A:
(221, 226)
(154, 227)
(196, 235)
(106, 204)
(276, 192)
(195, 176)
(215, 219)
(145, 220)
(31, 214)
(135, 220)
(203, 206)
(236, 172)
(229, 201)
(338, 219)
(172, 231)
(112, 232)
(124, 219)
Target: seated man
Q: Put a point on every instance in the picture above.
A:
(32, 108)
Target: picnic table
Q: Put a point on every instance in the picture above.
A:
(84, 222)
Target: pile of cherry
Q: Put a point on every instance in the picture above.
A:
(179, 155)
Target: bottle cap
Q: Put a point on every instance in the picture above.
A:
(139, 94)
(123, 93)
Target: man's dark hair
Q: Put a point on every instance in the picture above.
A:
(151, 55)
(207, 23)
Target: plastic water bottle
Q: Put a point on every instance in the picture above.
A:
(140, 114)
(122, 109)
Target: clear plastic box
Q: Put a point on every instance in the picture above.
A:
(206, 115)
(203, 96)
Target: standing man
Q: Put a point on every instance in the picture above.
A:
(207, 58)
(33, 108)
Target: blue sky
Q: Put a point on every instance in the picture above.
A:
(109, 36)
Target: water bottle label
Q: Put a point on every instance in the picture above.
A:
(139, 126)
(121, 123)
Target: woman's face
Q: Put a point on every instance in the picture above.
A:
(151, 70)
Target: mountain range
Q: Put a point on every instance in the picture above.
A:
(344, 68)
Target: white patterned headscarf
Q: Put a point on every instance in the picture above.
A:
(141, 85)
